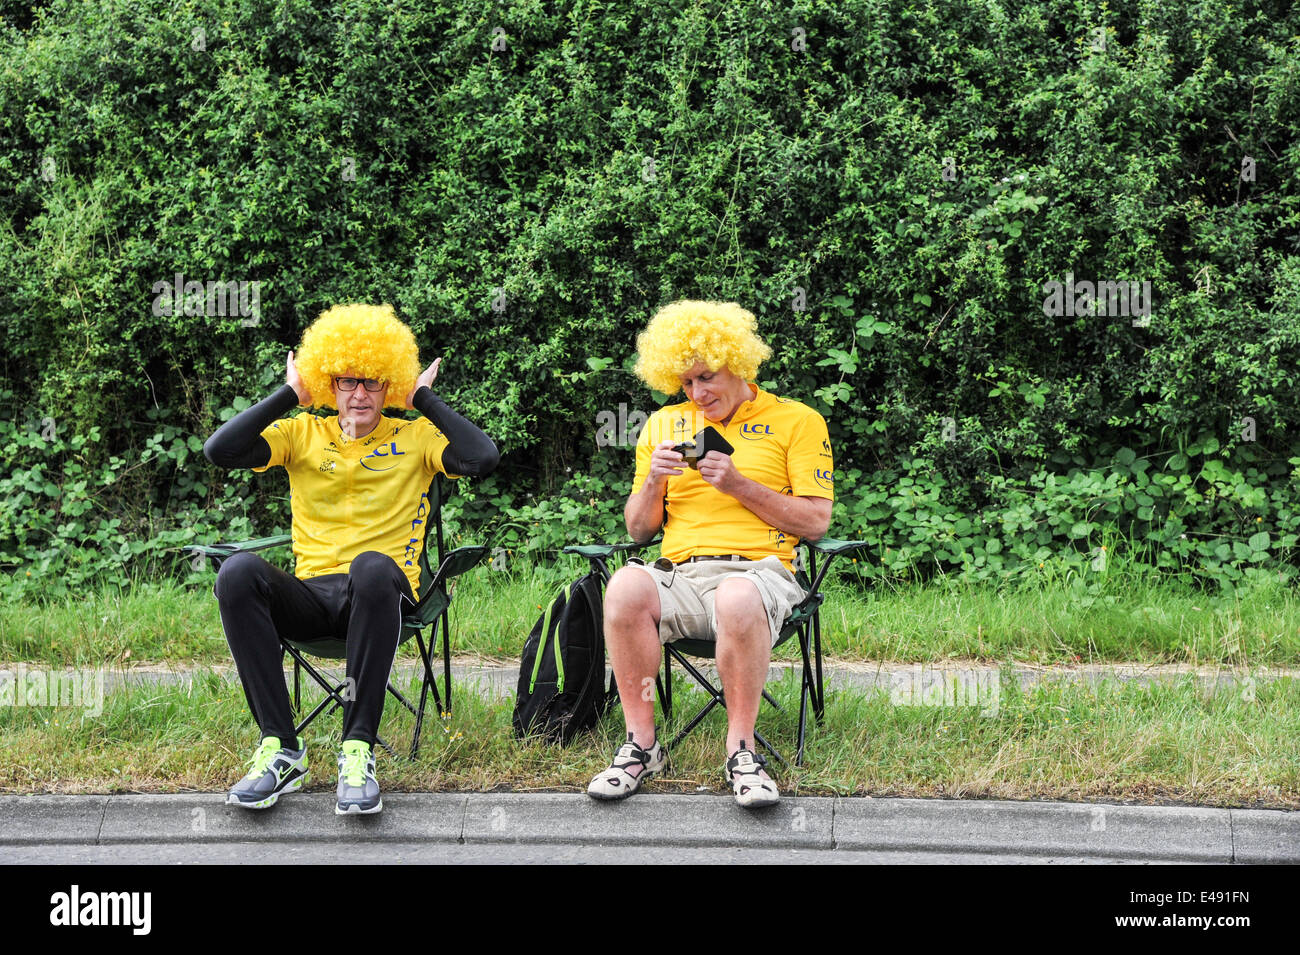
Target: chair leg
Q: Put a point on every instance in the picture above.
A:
(400, 699)
(313, 714)
(768, 746)
(717, 697)
(666, 691)
(332, 697)
(428, 682)
(819, 695)
(805, 692)
(446, 658)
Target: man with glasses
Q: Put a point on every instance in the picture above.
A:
(358, 482)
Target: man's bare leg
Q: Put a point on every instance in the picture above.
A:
(744, 651)
(632, 637)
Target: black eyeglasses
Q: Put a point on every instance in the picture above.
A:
(350, 384)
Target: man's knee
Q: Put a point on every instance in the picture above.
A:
(240, 574)
(738, 607)
(630, 597)
(372, 571)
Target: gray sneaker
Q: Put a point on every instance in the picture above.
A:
(358, 788)
(275, 770)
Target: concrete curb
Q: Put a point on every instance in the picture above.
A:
(992, 828)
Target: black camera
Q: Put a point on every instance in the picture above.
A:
(708, 439)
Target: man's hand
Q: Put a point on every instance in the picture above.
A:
(426, 380)
(294, 381)
(719, 470)
(804, 517)
(664, 463)
(644, 511)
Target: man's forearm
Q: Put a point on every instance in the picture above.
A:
(807, 518)
(239, 443)
(644, 512)
(469, 451)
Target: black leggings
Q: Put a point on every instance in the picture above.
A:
(260, 604)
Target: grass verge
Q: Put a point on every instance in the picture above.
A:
(1051, 622)
(1113, 742)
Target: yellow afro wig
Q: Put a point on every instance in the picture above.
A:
(716, 333)
(368, 340)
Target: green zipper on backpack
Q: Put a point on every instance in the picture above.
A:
(559, 660)
(546, 628)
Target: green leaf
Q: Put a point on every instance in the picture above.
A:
(1259, 541)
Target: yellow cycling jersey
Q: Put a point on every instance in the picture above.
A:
(778, 442)
(352, 495)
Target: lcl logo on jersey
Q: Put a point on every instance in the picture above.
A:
(381, 455)
(755, 432)
(824, 478)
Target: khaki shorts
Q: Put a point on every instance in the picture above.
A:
(686, 595)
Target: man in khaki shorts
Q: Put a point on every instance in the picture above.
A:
(730, 526)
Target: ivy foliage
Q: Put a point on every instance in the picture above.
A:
(889, 187)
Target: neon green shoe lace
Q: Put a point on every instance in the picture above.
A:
(265, 753)
(355, 756)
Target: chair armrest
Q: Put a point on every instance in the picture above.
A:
(833, 547)
(434, 601)
(222, 551)
(605, 550)
(598, 554)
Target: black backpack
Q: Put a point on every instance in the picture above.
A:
(562, 673)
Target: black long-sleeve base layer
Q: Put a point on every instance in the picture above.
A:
(239, 443)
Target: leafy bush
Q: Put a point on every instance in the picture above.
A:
(889, 187)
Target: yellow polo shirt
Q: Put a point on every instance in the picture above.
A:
(350, 495)
(780, 443)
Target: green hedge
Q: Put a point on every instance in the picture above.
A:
(578, 164)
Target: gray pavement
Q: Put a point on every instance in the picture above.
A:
(649, 828)
(497, 680)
